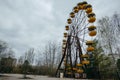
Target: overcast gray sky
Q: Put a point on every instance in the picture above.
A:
(32, 23)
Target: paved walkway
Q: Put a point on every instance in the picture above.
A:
(34, 77)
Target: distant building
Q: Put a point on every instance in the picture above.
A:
(7, 64)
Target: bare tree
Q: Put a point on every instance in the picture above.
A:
(108, 36)
(54, 53)
(3, 48)
(108, 33)
(20, 60)
(29, 55)
(49, 57)
(50, 54)
(116, 27)
(26, 60)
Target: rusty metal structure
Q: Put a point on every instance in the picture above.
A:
(77, 43)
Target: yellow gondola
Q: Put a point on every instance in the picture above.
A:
(88, 8)
(79, 65)
(90, 28)
(82, 5)
(79, 71)
(69, 73)
(64, 40)
(90, 48)
(63, 47)
(68, 64)
(74, 69)
(69, 68)
(85, 62)
(72, 15)
(85, 56)
(76, 9)
(91, 19)
(64, 43)
(91, 15)
(89, 42)
(65, 34)
(67, 28)
(92, 33)
(69, 21)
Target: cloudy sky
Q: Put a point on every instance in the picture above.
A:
(32, 23)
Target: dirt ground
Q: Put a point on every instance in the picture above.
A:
(34, 77)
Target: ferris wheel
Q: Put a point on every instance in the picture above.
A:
(78, 39)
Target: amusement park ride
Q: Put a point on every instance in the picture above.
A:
(77, 43)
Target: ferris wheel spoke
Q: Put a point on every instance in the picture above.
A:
(84, 33)
(84, 49)
(84, 26)
(81, 30)
(81, 21)
(82, 40)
